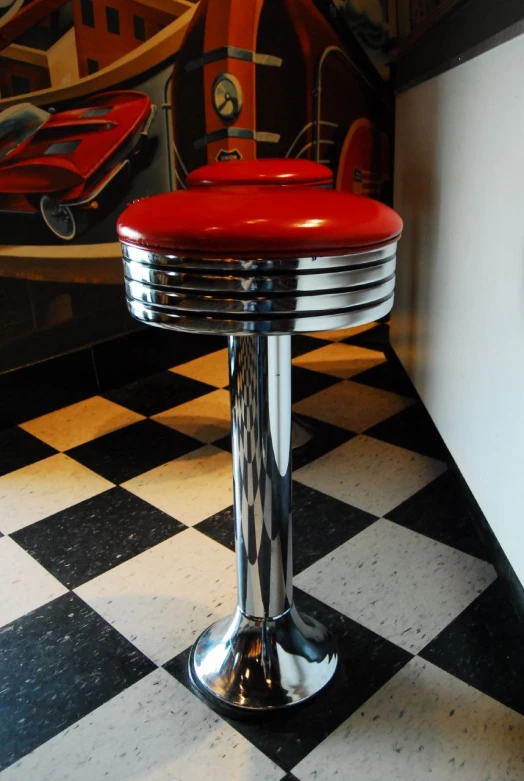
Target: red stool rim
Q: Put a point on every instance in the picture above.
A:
(252, 222)
(264, 171)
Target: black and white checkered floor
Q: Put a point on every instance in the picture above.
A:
(117, 551)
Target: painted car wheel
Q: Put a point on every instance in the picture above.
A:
(58, 217)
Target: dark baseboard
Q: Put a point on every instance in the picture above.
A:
(53, 383)
(508, 576)
(497, 557)
(475, 27)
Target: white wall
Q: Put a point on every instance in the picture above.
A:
(458, 321)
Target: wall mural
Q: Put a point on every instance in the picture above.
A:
(103, 101)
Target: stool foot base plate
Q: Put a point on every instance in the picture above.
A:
(255, 665)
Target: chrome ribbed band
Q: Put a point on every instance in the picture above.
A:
(265, 296)
(183, 281)
(215, 325)
(279, 265)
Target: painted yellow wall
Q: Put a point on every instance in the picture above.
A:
(62, 60)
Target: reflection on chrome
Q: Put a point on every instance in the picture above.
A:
(266, 655)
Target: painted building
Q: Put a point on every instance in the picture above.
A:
(107, 31)
(52, 43)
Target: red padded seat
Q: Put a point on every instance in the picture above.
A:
(267, 171)
(253, 222)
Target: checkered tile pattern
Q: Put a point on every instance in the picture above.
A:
(116, 551)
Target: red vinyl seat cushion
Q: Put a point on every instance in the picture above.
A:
(249, 222)
(265, 171)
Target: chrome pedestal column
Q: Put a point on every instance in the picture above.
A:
(266, 655)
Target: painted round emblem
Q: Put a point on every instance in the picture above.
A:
(227, 97)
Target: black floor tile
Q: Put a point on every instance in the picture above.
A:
(57, 664)
(44, 387)
(220, 527)
(367, 662)
(484, 646)
(19, 449)
(147, 352)
(320, 524)
(158, 393)
(301, 344)
(412, 429)
(376, 338)
(305, 383)
(289, 777)
(325, 437)
(91, 537)
(440, 511)
(132, 450)
(224, 443)
(388, 376)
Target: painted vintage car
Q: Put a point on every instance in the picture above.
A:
(59, 163)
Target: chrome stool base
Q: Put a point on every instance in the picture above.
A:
(257, 664)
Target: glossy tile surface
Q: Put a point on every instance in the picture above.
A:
(191, 487)
(24, 584)
(372, 475)
(154, 394)
(74, 425)
(404, 586)
(423, 724)
(206, 418)
(133, 450)
(73, 661)
(46, 487)
(83, 541)
(352, 405)
(340, 360)
(118, 552)
(19, 449)
(139, 735)
(164, 598)
(211, 368)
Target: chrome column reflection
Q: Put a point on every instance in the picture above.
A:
(266, 655)
(260, 376)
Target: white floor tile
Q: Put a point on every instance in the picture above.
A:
(371, 475)
(164, 598)
(190, 488)
(340, 360)
(24, 583)
(154, 731)
(423, 724)
(44, 488)
(404, 586)
(79, 423)
(352, 405)
(212, 368)
(206, 418)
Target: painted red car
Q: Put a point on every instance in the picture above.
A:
(58, 163)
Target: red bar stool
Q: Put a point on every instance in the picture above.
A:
(264, 171)
(259, 264)
(267, 171)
